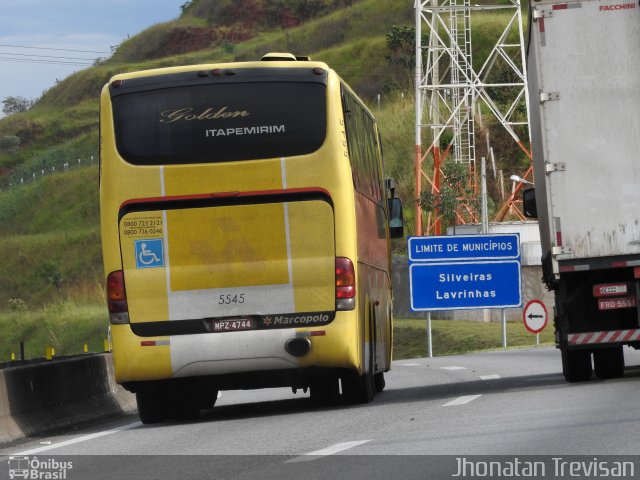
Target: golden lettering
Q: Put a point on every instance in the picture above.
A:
(188, 114)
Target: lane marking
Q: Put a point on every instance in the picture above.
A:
(453, 368)
(408, 364)
(84, 438)
(461, 400)
(330, 450)
(489, 377)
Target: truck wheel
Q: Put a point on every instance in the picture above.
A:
(152, 406)
(576, 365)
(609, 362)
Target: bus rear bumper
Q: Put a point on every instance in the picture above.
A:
(180, 356)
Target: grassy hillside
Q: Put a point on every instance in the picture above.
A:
(50, 239)
(49, 232)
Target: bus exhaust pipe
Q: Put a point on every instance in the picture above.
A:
(298, 347)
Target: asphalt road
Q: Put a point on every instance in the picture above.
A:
(503, 405)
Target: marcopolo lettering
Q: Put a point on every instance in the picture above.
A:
(304, 319)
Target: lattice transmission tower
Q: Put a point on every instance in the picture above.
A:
(454, 91)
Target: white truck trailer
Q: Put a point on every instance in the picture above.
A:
(583, 63)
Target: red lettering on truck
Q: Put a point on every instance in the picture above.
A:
(618, 6)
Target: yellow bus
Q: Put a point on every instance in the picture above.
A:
(246, 233)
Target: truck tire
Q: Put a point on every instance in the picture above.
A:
(576, 365)
(609, 362)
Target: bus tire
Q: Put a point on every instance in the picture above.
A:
(186, 409)
(357, 390)
(609, 362)
(325, 391)
(186, 403)
(378, 382)
(361, 389)
(576, 365)
(152, 406)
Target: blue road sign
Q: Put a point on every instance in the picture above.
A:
(465, 285)
(465, 272)
(504, 246)
(149, 253)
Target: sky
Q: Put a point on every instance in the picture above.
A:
(65, 36)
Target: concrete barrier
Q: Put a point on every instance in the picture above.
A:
(38, 398)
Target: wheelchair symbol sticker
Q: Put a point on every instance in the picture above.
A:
(149, 253)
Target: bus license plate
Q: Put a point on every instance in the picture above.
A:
(232, 325)
(615, 303)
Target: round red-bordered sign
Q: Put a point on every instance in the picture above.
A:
(535, 316)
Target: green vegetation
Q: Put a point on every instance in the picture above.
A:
(66, 326)
(452, 337)
(50, 239)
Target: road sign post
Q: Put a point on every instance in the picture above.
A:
(464, 272)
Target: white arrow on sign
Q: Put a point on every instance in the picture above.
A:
(535, 316)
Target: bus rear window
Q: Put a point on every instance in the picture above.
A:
(220, 122)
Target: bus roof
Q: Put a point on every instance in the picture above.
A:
(269, 60)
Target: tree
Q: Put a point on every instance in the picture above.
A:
(454, 192)
(12, 105)
(401, 40)
(186, 5)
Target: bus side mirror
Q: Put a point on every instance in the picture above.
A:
(396, 221)
(529, 203)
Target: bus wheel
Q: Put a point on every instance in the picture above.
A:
(152, 406)
(358, 389)
(325, 391)
(378, 382)
(576, 365)
(186, 405)
(609, 362)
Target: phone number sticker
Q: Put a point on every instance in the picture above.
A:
(142, 227)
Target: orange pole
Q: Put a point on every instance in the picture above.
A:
(436, 187)
(511, 201)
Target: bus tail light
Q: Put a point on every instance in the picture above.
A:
(345, 284)
(117, 298)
